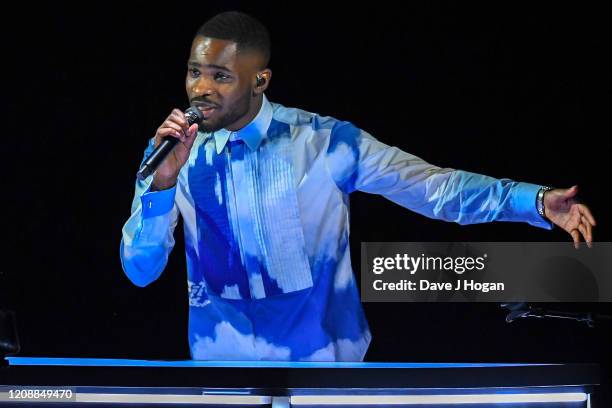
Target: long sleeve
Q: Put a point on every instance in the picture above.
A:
(357, 161)
(148, 235)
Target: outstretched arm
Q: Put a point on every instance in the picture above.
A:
(357, 161)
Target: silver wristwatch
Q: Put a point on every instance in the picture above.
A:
(540, 199)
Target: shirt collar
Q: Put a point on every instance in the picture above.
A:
(252, 134)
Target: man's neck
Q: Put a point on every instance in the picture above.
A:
(248, 118)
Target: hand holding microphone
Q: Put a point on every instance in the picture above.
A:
(173, 142)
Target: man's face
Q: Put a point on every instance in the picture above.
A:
(220, 83)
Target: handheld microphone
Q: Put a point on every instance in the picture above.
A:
(162, 151)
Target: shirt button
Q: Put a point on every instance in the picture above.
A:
(150, 204)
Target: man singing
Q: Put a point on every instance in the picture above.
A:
(264, 190)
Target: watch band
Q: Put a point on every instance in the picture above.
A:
(540, 199)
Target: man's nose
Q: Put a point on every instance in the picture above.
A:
(203, 87)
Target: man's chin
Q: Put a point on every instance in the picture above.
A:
(209, 127)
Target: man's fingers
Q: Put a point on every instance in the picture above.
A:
(168, 131)
(193, 129)
(571, 192)
(584, 210)
(583, 230)
(190, 136)
(175, 126)
(589, 230)
(179, 117)
(576, 236)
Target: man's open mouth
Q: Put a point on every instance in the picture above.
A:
(207, 110)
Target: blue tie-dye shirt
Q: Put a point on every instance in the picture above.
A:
(266, 221)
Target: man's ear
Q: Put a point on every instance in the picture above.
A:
(262, 81)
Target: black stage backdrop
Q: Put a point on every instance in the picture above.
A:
(514, 90)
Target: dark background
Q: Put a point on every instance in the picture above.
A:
(516, 90)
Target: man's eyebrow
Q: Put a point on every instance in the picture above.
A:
(213, 66)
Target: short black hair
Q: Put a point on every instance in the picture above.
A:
(246, 31)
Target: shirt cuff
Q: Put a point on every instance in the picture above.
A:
(524, 202)
(156, 203)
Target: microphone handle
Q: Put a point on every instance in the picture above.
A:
(157, 157)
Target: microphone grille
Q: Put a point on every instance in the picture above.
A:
(194, 115)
